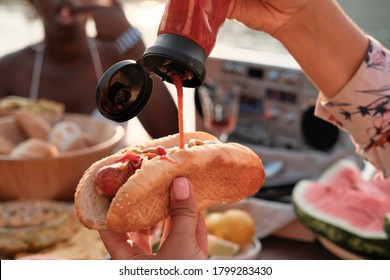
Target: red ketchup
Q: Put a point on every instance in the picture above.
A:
(110, 178)
(197, 20)
(179, 88)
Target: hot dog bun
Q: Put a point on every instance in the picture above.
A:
(219, 172)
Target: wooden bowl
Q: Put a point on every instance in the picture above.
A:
(54, 178)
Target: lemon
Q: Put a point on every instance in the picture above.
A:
(212, 221)
(221, 247)
(235, 225)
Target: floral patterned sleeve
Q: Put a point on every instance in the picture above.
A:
(362, 108)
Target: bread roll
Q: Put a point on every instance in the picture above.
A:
(68, 136)
(51, 110)
(6, 145)
(34, 148)
(84, 140)
(33, 125)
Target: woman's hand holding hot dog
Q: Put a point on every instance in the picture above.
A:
(158, 181)
(184, 236)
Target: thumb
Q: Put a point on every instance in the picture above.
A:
(183, 207)
(185, 228)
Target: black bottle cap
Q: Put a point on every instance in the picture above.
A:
(123, 91)
(172, 53)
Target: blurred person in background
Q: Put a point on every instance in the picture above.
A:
(67, 65)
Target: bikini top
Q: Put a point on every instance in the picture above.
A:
(38, 63)
(97, 64)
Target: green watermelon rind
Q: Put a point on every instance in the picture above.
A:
(373, 247)
(386, 226)
(360, 241)
(338, 222)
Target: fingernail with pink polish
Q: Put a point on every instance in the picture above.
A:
(181, 188)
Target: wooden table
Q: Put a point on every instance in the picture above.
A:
(276, 248)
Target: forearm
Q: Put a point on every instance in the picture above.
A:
(361, 108)
(328, 46)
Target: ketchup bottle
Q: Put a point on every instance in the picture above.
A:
(185, 38)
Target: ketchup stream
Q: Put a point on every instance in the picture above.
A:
(179, 88)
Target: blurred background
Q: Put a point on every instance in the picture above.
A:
(18, 29)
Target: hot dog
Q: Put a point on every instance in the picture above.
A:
(129, 190)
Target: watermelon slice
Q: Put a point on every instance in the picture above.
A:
(346, 209)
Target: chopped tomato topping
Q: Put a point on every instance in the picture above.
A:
(161, 151)
(129, 156)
